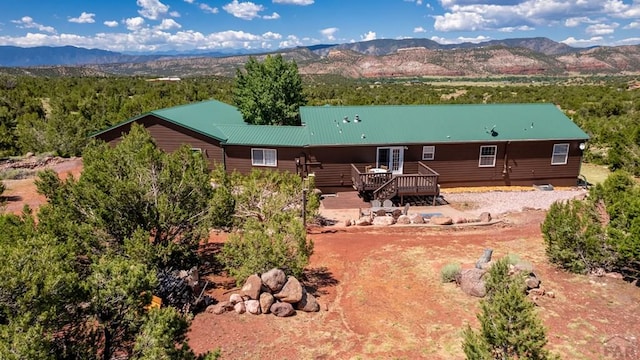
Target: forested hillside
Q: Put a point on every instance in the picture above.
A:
(56, 114)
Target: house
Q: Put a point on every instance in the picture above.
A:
(415, 147)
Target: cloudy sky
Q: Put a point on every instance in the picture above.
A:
(215, 25)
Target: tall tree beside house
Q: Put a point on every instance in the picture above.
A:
(269, 92)
(509, 326)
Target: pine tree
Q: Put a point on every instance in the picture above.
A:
(509, 326)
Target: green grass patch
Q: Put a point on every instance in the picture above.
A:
(449, 272)
(595, 174)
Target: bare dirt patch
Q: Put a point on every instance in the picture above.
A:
(382, 298)
(22, 191)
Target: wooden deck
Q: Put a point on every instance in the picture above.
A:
(383, 186)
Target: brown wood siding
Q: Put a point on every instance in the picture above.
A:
(332, 165)
(238, 158)
(170, 137)
(528, 163)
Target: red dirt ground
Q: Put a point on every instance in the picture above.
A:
(382, 297)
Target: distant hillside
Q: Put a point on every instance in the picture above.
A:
(65, 55)
(367, 59)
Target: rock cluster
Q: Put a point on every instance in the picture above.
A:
(414, 218)
(272, 292)
(472, 281)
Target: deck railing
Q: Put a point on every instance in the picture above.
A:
(364, 181)
(386, 185)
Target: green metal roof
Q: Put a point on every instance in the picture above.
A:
(265, 135)
(397, 124)
(437, 124)
(203, 117)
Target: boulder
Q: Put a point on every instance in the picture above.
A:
(459, 220)
(252, 287)
(282, 309)
(441, 220)
(266, 300)
(235, 298)
(239, 308)
(383, 220)
(525, 267)
(532, 282)
(291, 291)
(363, 222)
(416, 218)
(485, 258)
(219, 308)
(308, 303)
(274, 280)
(472, 283)
(537, 292)
(253, 307)
(485, 217)
(403, 219)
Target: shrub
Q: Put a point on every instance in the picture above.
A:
(574, 239)
(509, 326)
(281, 243)
(513, 259)
(449, 272)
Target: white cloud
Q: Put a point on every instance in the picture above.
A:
(168, 24)
(371, 35)
(84, 18)
(329, 33)
(271, 36)
(294, 2)
(273, 16)
(571, 41)
(601, 29)
(577, 21)
(189, 1)
(292, 41)
(208, 9)
(152, 9)
(510, 15)
(134, 24)
(628, 41)
(517, 28)
(419, 29)
(632, 25)
(462, 21)
(26, 22)
(151, 39)
(459, 40)
(111, 23)
(243, 10)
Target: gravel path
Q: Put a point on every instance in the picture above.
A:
(499, 202)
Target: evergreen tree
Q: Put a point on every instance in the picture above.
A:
(269, 92)
(509, 326)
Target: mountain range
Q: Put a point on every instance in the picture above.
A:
(375, 58)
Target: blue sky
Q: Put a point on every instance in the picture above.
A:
(217, 25)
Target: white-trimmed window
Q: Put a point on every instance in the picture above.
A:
(428, 152)
(264, 157)
(488, 156)
(560, 154)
